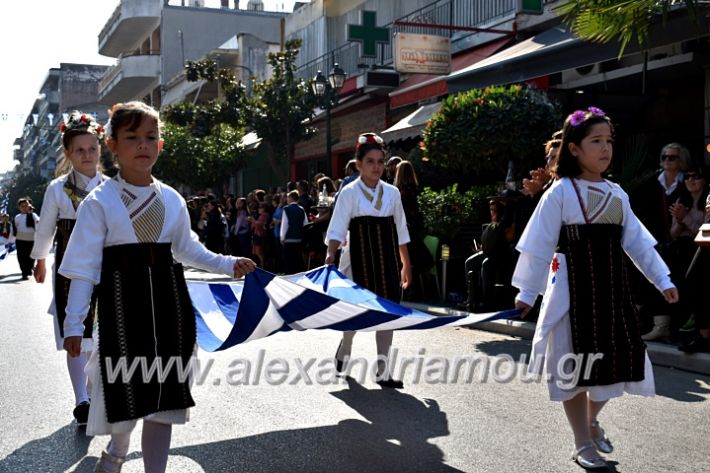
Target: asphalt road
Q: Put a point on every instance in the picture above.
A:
(502, 424)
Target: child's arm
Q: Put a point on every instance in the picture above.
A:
(44, 233)
(537, 246)
(77, 308)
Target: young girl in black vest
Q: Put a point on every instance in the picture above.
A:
(81, 141)
(129, 230)
(572, 252)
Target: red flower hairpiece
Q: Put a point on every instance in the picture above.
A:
(84, 122)
(369, 138)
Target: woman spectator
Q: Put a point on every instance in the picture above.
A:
(652, 202)
(405, 179)
(688, 216)
(278, 202)
(242, 228)
(259, 229)
(216, 228)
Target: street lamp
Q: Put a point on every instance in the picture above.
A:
(327, 93)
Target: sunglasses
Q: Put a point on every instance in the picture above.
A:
(693, 176)
(669, 157)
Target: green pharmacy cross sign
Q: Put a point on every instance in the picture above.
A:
(369, 34)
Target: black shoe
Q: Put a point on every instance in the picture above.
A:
(699, 344)
(339, 366)
(390, 383)
(81, 413)
(24, 278)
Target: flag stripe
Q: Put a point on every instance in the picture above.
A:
(319, 299)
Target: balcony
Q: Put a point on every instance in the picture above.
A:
(129, 78)
(130, 23)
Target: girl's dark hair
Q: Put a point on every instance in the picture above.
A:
(328, 182)
(367, 142)
(130, 115)
(565, 163)
(405, 176)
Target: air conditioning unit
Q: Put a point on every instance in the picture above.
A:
(581, 72)
(196, 3)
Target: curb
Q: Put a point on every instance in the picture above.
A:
(661, 354)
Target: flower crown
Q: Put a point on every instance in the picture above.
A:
(371, 139)
(580, 116)
(82, 122)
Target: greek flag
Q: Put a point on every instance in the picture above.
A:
(322, 298)
(6, 250)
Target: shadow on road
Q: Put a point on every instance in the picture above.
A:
(394, 438)
(10, 279)
(56, 452)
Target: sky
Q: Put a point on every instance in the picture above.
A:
(37, 35)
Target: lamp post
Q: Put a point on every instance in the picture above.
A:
(327, 93)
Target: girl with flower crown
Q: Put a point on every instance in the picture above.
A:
(572, 252)
(370, 217)
(81, 142)
(129, 232)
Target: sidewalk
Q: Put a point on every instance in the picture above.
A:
(661, 354)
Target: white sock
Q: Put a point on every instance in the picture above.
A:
(78, 377)
(156, 446)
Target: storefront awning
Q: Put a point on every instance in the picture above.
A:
(425, 86)
(557, 49)
(412, 125)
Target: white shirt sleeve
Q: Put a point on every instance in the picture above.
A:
(77, 307)
(342, 213)
(537, 245)
(284, 226)
(45, 229)
(84, 254)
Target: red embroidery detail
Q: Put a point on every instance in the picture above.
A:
(555, 264)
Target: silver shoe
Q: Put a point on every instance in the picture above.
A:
(596, 463)
(107, 458)
(602, 442)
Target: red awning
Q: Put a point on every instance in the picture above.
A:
(423, 86)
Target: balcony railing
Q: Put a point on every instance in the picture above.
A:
(113, 71)
(110, 23)
(443, 12)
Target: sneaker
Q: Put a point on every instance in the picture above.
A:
(81, 413)
(689, 324)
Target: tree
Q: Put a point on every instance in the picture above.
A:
(475, 133)
(30, 185)
(202, 141)
(605, 20)
(281, 107)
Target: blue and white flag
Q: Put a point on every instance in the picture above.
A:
(6, 250)
(322, 298)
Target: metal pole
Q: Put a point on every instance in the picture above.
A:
(443, 280)
(327, 137)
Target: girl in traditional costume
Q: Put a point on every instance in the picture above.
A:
(128, 232)
(572, 251)
(375, 255)
(81, 141)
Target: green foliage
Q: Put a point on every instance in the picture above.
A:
(199, 161)
(282, 105)
(479, 131)
(635, 164)
(446, 211)
(32, 185)
(202, 140)
(605, 20)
